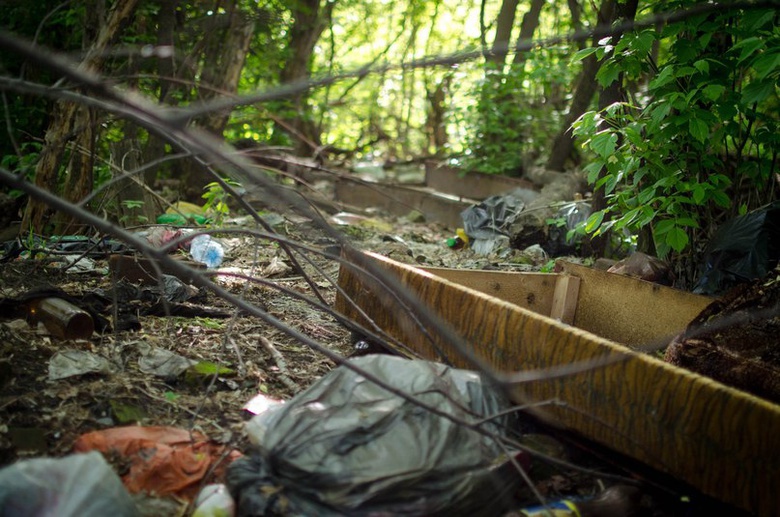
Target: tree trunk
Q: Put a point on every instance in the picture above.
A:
(225, 50)
(310, 19)
(563, 144)
(527, 28)
(609, 95)
(504, 24)
(69, 120)
(134, 203)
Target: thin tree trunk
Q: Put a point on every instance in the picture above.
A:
(563, 144)
(69, 120)
(224, 56)
(311, 18)
(527, 28)
(609, 95)
(504, 24)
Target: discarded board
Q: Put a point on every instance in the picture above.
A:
(470, 185)
(719, 440)
(400, 200)
(445, 194)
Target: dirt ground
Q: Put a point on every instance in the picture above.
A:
(41, 416)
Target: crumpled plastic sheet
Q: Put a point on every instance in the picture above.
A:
(79, 485)
(742, 249)
(346, 446)
(488, 222)
(163, 460)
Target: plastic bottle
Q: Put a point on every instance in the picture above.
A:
(207, 251)
(214, 501)
(616, 501)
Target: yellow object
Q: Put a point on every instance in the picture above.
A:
(460, 232)
(185, 208)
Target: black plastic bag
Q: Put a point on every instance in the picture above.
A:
(742, 249)
(346, 446)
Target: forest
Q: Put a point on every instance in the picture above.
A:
(167, 174)
(668, 108)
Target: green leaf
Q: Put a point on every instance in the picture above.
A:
(677, 239)
(608, 73)
(604, 143)
(713, 91)
(767, 63)
(646, 195)
(663, 78)
(754, 20)
(720, 198)
(582, 54)
(644, 41)
(687, 221)
(748, 46)
(702, 66)
(663, 227)
(698, 194)
(660, 111)
(757, 91)
(594, 169)
(594, 221)
(698, 129)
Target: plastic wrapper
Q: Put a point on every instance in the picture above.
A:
(742, 249)
(489, 221)
(80, 485)
(346, 446)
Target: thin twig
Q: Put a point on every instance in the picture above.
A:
(280, 363)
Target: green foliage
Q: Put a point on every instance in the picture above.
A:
(709, 125)
(517, 113)
(216, 200)
(22, 164)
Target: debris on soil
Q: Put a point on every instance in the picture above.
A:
(735, 339)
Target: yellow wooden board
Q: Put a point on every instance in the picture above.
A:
(720, 440)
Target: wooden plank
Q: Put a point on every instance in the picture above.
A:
(720, 440)
(532, 291)
(629, 310)
(470, 185)
(564, 305)
(399, 201)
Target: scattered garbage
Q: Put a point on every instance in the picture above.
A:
(644, 267)
(63, 315)
(536, 254)
(163, 460)
(183, 213)
(71, 363)
(79, 485)
(159, 236)
(162, 363)
(346, 446)
(60, 317)
(214, 501)
(566, 219)
(206, 250)
(261, 403)
(74, 245)
(617, 501)
(487, 223)
(742, 249)
(459, 241)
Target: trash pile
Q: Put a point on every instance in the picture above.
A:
(386, 436)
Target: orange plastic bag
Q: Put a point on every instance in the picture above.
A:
(163, 460)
